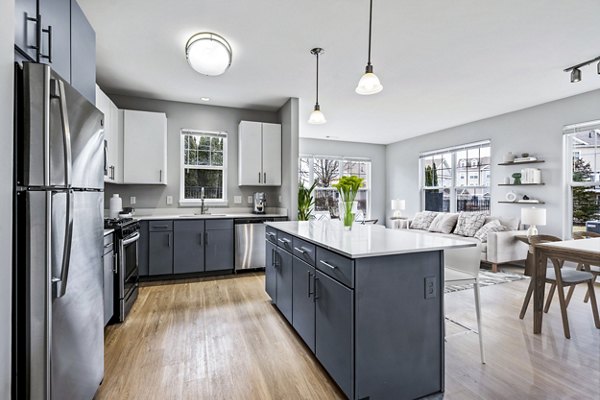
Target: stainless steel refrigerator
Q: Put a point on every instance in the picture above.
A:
(58, 334)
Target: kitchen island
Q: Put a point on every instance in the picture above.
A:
(368, 303)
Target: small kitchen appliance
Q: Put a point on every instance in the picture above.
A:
(260, 203)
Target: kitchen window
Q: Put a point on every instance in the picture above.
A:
(327, 170)
(456, 178)
(203, 161)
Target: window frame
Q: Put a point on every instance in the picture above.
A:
(223, 201)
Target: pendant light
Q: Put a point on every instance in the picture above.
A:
(369, 82)
(317, 117)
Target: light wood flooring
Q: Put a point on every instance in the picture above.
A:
(220, 338)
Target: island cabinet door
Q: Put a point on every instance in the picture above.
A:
(284, 282)
(270, 273)
(188, 256)
(334, 330)
(303, 303)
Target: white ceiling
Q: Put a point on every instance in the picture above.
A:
(442, 63)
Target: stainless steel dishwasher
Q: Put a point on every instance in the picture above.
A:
(250, 242)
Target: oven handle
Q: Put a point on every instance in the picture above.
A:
(134, 238)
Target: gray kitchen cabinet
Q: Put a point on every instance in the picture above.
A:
(218, 245)
(55, 41)
(189, 246)
(334, 327)
(283, 262)
(160, 253)
(143, 244)
(26, 27)
(303, 301)
(270, 273)
(83, 54)
(109, 277)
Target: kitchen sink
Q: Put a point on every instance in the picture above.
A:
(200, 215)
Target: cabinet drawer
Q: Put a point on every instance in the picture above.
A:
(271, 234)
(336, 266)
(161, 226)
(284, 241)
(108, 241)
(219, 224)
(304, 251)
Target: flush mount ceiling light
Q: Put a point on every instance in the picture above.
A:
(369, 82)
(317, 117)
(576, 69)
(208, 53)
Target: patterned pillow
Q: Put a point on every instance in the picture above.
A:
(422, 220)
(469, 223)
(443, 222)
(492, 226)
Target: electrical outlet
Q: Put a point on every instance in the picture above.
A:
(132, 200)
(237, 199)
(430, 287)
(169, 200)
(249, 199)
(280, 199)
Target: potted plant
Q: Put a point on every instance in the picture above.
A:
(305, 201)
(348, 187)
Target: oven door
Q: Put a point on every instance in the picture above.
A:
(128, 279)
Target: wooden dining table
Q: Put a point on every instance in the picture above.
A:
(584, 251)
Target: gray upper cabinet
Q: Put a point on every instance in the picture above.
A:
(160, 253)
(303, 302)
(189, 247)
(270, 273)
(55, 40)
(284, 282)
(83, 54)
(26, 27)
(218, 245)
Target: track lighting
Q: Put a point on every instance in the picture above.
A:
(575, 75)
(598, 67)
(576, 71)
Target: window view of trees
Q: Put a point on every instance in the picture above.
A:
(203, 166)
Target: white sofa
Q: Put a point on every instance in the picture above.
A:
(501, 247)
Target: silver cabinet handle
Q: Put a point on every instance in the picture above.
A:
(49, 55)
(327, 264)
(301, 251)
(32, 19)
(160, 175)
(309, 275)
(168, 239)
(258, 176)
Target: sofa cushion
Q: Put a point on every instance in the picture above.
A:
(443, 222)
(511, 223)
(423, 219)
(492, 226)
(469, 223)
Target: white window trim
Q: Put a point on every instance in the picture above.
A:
(207, 202)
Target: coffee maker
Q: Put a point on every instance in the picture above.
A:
(260, 203)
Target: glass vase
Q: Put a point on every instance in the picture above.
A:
(347, 213)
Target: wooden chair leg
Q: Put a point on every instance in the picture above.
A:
(593, 303)
(479, 330)
(494, 267)
(550, 296)
(526, 300)
(563, 310)
(587, 294)
(570, 293)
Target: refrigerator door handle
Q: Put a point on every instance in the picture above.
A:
(60, 283)
(64, 118)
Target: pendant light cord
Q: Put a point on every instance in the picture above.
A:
(370, 25)
(317, 103)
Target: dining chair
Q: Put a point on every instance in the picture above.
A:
(461, 267)
(594, 269)
(558, 278)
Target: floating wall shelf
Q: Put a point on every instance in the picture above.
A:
(521, 202)
(522, 162)
(520, 184)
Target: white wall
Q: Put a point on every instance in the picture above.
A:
(376, 152)
(536, 130)
(288, 115)
(6, 189)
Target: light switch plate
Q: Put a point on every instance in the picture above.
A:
(169, 200)
(430, 287)
(280, 199)
(249, 199)
(132, 200)
(237, 199)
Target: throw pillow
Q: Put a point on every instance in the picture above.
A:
(422, 220)
(469, 223)
(443, 222)
(492, 226)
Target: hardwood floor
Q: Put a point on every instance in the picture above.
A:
(220, 338)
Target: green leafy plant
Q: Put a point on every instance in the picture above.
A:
(348, 187)
(431, 176)
(305, 201)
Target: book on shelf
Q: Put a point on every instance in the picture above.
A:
(524, 159)
(533, 201)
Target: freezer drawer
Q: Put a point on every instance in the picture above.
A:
(249, 246)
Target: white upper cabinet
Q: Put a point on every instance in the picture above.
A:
(144, 147)
(113, 139)
(259, 150)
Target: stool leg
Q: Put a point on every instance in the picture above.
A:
(478, 311)
(593, 303)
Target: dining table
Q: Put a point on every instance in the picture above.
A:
(583, 251)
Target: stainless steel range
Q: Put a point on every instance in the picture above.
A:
(127, 234)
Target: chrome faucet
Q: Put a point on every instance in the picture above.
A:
(203, 210)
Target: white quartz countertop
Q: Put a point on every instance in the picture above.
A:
(207, 216)
(366, 240)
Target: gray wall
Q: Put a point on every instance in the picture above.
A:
(6, 159)
(377, 154)
(288, 115)
(536, 130)
(191, 116)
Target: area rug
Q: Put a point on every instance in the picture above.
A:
(486, 278)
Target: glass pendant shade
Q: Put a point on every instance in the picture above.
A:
(317, 117)
(208, 53)
(369, 84)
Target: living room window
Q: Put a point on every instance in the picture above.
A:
(582, 171)
(203, 160)
(327, 170)
(456, 178)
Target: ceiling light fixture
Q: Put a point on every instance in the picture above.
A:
(208, 53)
(317, 117)
(576, 69)
(369, 83)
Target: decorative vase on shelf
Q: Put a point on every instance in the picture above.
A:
(348, 187)
(517, 178)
